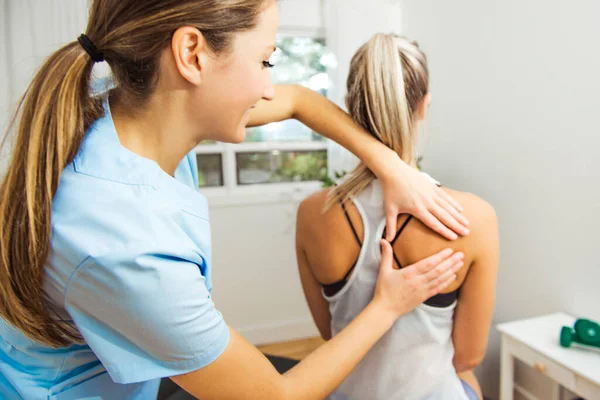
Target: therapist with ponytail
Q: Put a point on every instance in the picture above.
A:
(105, 247)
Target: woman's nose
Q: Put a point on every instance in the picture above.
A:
(269, 93)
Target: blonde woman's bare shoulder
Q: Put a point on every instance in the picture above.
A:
(479, 211)
(419, 241)
(310, 210)
(313, 206)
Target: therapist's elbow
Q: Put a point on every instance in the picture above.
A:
(467, 362)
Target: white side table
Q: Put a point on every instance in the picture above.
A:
(535, 342)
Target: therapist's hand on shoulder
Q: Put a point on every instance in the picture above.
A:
(242, 372)
(408, 191)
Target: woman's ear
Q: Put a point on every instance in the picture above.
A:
(423, 106)
(190, 53)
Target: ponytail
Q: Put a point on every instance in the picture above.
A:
(53, 115)
(388, 78)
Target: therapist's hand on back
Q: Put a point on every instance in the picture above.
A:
(242, 372)
(401, 290)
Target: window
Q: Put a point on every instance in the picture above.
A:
(210, 170)
(283, 152)
(280, 166)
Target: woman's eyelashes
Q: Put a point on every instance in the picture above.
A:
(267, 64)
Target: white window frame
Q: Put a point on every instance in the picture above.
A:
(233, 194)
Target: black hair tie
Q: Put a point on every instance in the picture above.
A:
(89, 48)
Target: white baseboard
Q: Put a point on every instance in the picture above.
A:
(281, 331)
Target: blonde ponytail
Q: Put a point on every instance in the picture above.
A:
(388, 79)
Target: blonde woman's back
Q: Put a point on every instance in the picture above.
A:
(416, 359)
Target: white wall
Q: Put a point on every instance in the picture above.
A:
(301, 16)
(30, 30)
(256, 283)
(515, 88)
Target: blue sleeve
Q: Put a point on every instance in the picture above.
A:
(187, 170)
(194, 167)
(146, 313)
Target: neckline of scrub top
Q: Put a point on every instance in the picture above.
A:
(103, 156)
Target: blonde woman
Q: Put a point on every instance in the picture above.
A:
(105, 257)
(431, 351)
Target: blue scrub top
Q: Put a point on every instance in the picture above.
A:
(130, 267)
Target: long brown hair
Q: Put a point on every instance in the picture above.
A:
(388, 79)
(53, 116)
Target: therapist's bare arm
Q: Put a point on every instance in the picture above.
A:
(406, 190)
(242, 372)
(320, 114)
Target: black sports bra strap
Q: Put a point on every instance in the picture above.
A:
(401, 229)
(396, 259)
(397, 236)
(345, 278)
(351, 224)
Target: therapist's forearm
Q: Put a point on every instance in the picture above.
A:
(327, 119)
(326, 368)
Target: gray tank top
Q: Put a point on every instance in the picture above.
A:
(413, 360)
